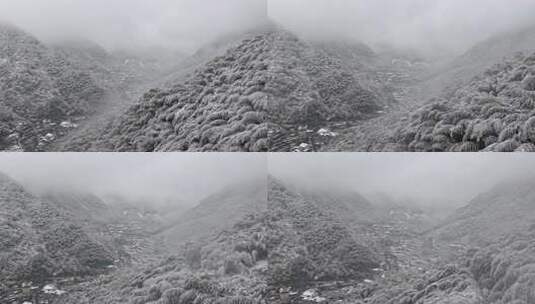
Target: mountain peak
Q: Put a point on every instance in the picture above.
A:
(266, 82)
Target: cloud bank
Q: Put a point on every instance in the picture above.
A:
(428, 25)
(184, 24)
(430, 179)
(187, 178)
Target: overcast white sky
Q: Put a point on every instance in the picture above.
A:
(424, 24)
(421, 24)
(454, 178)
(429, 178)
(188, 177)
(131, 23)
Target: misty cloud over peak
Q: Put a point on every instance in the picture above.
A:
(426, 25)
(184, 24)
(150, 178)
(429, 179)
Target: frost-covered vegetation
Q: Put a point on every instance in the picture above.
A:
(221, 107)
(64, 238)
(320, 85)
(49, 90)
(311, 86)
(265, 89)
(262, 85)
(480, 101)
(500, 258)
(467, 259)
(268, 83)
(39, 88)
(226, 264)
(499, 273)
(510, 204)
(223, 271)
(313, 244)
(271, 242)
(286, 243)
(505, 270)
(450, 284)
(494, 112)
(40, 242)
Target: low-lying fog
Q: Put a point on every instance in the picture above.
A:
(182, 24)
(429, 180)
(152, 178)
(432, 26)
(438, 181)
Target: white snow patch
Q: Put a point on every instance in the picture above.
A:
(49, 137)
(312, 296)
(68, 125)
(377, 270)
(326, 133)
(53, 290)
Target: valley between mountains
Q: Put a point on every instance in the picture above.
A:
(266, 89)
(267, 241)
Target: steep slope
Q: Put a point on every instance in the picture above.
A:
(125, 75)
(488, 244)
(480, 254)
(496, 228)
(409, 266)
(347, 205)
(319, 89)
(92, 58)
(312, 83)
(221, 107)
(494, 112)
(65, 239)
(220, 258)
(483, 253)
(257, 248)
(217, 212)
(304, 246)
(507, 209)
(482, 101)
(139, 74)
(229, 269)
(39, 89)
(492, 237)
(480, 57)
(312, 244)
(126, 229)
(272, 83)
(505, 270)
(39, 242)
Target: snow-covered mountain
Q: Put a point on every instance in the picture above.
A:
(40, 89)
